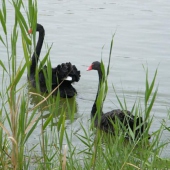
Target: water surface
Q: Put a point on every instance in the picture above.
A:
(81, 31)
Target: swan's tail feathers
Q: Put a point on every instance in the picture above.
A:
(67, 71)
(75, 74)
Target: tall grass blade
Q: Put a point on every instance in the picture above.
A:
(30, 131)
(45, 59)
(26, 55)
(4, 9)
(62, 130)
(28, 41)
(2, 41)
(151, 103)
(19, 15)
(120, 103)
(110, 54)
(3, 23)
(48, 120)
(19, 74)
(149, 89)
(2, 65)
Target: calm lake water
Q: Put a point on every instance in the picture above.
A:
(81, 31)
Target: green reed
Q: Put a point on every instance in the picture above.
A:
(106, 151)
(15, 110)
(19, 120)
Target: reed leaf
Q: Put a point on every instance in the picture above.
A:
(3, 23)
(110, 54)
(28, 41)
(149, 89)
(32, 15)
(4, 9)
(30, 10)
(30, 129)
(48, 120)
(7, 115)
(120, 103)
(14, 37)
(151, 103)
(60, 121)
(2, 41)
(45, 59)
(83, 141)
(26, 55)
(4, 128)
(20, 16)
(48, 79)
(62, 130)
(22, 22)
(19, 74)
(3, 66)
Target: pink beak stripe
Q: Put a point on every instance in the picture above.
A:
(89, 68)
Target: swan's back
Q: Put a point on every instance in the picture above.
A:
(125, 117)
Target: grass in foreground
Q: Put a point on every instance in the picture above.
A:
(19, 121)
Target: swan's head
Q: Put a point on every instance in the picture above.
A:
(39, 28)
(94, 66)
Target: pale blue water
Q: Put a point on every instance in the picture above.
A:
(79, 29)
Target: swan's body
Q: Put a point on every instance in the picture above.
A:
(105, 121)
(65, 71)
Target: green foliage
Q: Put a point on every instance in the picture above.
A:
(3, 17)
(19, 120)
(148, 92)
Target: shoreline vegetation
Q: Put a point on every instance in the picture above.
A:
(19, 121)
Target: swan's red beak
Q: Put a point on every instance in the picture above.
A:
(90, 67)
(30, 31)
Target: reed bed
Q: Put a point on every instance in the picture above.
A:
(54, 150)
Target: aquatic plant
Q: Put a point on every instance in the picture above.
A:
(20, 121)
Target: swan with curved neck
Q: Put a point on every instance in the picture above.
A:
(105, 121)
(62, 76)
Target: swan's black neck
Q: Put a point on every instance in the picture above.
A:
(36, 54)
(94, 108)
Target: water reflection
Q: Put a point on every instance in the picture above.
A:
(52, 104)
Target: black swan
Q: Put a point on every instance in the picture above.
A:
(105, 121)
(65, 73)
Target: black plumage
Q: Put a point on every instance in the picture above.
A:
(59, 74)
(106, 121)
